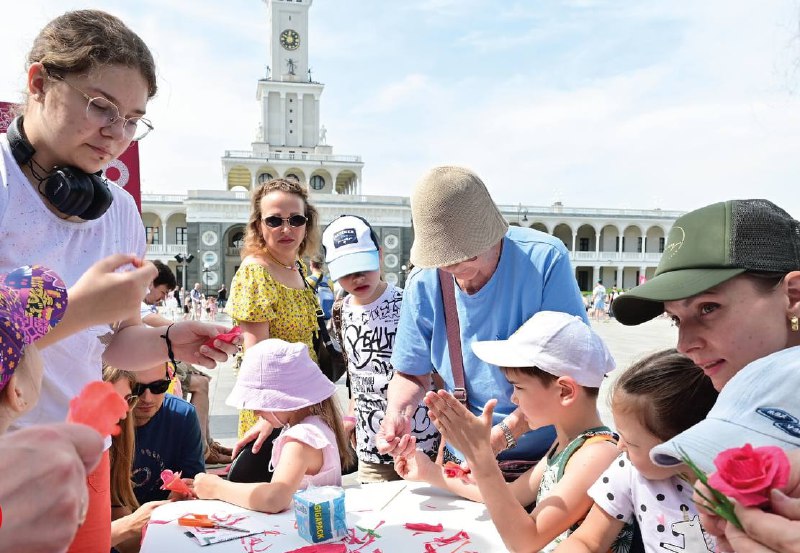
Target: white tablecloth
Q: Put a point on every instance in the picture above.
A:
(384, 507)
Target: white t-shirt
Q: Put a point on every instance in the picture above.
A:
(368, 333)
(664, 509)
(32, 234)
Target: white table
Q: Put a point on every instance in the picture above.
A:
(385, 507)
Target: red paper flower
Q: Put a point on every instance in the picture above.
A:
(747, 474)
(227, 337)
(174, 483)
(98, 406)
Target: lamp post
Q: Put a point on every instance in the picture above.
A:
(184, 260)
(205, 280)
(523, 211)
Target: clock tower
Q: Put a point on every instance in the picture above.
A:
(288, 24)
(290, 141)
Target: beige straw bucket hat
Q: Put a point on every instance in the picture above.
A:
(454, 218)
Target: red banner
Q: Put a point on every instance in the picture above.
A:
(6, 115)
(124, 170)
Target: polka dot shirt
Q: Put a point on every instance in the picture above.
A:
(664, 510)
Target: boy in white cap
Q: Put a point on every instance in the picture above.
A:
(555, 363)
(366, 322)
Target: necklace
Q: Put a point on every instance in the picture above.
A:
(272, 257)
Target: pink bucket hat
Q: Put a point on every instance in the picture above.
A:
(33, 299)
(279, 376)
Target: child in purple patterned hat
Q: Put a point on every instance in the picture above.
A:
(33, 300)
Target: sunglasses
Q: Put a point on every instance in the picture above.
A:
(157, 387)
(273, 221)
(132, 400)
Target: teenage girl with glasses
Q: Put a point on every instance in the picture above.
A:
(89, 80)
(269, 298)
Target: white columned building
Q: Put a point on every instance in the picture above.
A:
(618, 247)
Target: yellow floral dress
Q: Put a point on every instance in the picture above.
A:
(256, 297)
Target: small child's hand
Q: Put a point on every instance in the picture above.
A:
(205, 485)
(415, 467)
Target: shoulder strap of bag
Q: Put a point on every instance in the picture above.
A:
(323, 331)
(336, 318)
(453, 334)
(317, 281)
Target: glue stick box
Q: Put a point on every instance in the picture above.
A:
(320, 514)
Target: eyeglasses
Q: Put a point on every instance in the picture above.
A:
(157, 387)
(104, 113)
(132, 400)
(273, 221)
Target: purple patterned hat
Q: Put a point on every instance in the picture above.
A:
(33, 299)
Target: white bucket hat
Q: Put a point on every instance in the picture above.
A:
(555, 342)
(454, 218)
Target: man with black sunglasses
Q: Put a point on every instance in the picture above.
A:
(167, 435)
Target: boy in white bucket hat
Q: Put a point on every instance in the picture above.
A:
(281, 384)
(556, 364)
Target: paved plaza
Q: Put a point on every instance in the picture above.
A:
(626, 344)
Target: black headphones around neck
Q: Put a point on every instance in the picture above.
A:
(70, 190)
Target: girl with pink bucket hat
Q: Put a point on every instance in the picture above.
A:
(281, 384)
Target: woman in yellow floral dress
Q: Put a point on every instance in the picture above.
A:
(268, 296)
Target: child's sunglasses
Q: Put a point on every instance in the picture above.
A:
(273, 221)
(157, 387)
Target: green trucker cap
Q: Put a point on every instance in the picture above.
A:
(710, 245)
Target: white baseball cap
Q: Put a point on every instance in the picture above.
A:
(555, 342)
(758, 406)
(350, 247)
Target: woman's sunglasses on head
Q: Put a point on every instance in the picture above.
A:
(273, 221)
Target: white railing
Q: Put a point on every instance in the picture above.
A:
(166, 249)
(286, 156)
(233, 251)
(163, 198)
(615, 257)
(513, 212)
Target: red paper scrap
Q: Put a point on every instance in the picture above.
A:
(422, 527)
(454, 470)
(98, 406)
(322, 548)
(226, 337)
(174, 483)
(452, 539)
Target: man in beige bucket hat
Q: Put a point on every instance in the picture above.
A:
(502, 277)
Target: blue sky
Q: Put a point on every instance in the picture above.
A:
(595, 103)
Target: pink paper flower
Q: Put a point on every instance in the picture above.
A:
(747, 474)
(98, 406)
(174, 483)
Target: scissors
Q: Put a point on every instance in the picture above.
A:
(202, 521)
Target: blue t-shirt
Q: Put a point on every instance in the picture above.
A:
(170, 440)
(534, 274)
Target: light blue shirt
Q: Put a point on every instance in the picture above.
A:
(534, 274)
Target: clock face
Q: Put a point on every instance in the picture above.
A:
(290, 39)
